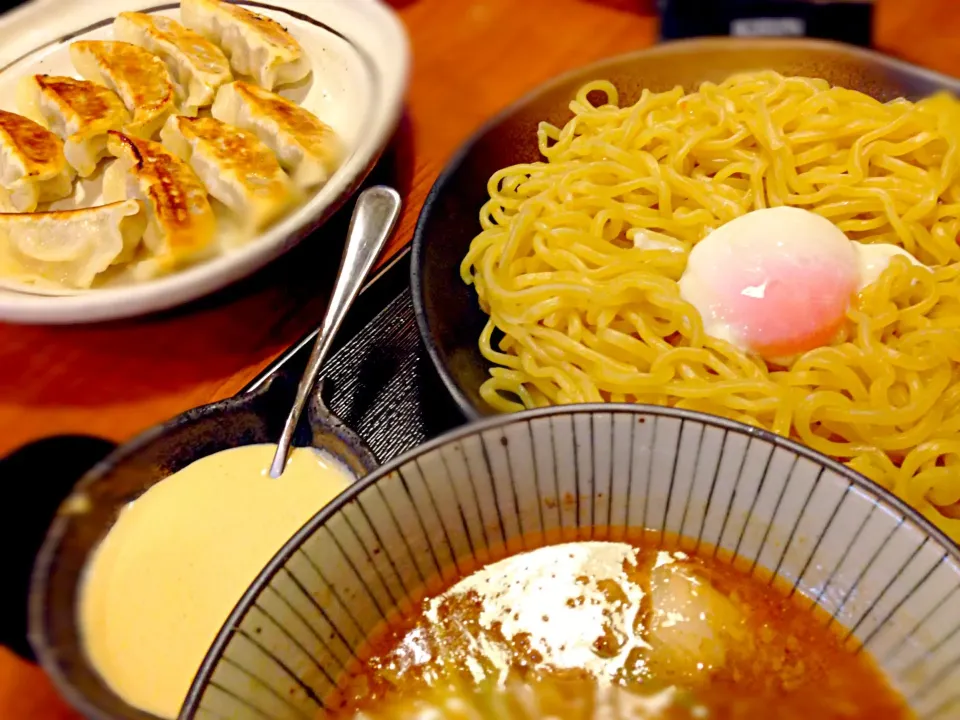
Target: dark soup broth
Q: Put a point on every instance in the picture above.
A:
(614, 629)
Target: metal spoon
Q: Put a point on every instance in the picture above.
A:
(372, 223)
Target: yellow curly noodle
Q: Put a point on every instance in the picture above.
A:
(585, 316)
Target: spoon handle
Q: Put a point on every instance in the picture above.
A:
(372, 223)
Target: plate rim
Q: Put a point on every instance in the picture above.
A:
(390, 73)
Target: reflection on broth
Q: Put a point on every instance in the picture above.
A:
(611, 629)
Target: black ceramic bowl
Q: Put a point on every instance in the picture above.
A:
(449, 318)
(86, 516)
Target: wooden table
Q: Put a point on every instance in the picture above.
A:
(471, 58)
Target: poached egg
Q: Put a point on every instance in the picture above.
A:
(778, 282)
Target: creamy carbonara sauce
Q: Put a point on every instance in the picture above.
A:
(178, 559)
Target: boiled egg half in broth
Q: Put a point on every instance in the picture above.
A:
(778, 282)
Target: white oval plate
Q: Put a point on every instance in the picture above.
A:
(361, 60)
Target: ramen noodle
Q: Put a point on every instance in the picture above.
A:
(580, 255)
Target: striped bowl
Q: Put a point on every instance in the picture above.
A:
(876, 568)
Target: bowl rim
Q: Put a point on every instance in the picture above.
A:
(419, 244)
(876, 492)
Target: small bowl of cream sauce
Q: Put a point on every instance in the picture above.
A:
(156, 545)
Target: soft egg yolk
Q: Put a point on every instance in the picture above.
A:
(778, 282)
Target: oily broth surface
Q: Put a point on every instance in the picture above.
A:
(586, 629)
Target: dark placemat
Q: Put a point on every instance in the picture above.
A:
(382, 384)
(379, 380)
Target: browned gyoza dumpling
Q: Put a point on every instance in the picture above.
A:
(79, 111)
(236, 168)
(197, 66)
(306, 147)
(180, 221)
(257, 46)
(139, 78)
(33, 168)
(69, 248)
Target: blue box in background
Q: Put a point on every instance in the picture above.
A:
(848, 21)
